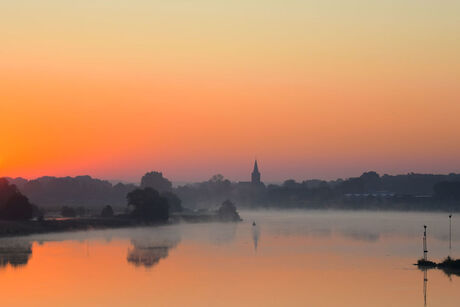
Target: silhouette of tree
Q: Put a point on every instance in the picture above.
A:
(52, 192)
(156, 181)
(291, 183)
(14, 205)
(107, 211)
(148, 205)
(175, 203)
(228, 213)
(68, 212)
(81, 211)
(217, 178)
(447, 190)
(367, 183)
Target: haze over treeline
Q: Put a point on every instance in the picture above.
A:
(370, 190)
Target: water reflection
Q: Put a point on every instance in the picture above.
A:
(425, 270)
(255, 235)
(362, 258)
(146, 256)
(147, 251)
(450, 272)
(359, 225)
(223, 233)
(425, 284)
(364, 236)
(14, 253)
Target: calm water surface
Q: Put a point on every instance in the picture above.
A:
(295, 258)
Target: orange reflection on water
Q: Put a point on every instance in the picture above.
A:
(292, 270)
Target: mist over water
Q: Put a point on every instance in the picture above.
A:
(288, 258)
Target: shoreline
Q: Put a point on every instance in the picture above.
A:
(31, 227)
(24, 228)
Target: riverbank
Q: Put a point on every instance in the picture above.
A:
(19, 228)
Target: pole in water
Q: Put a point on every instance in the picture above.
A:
(425, 251)
(450, 232)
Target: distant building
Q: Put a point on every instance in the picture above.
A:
(255, 182)
(255, 176)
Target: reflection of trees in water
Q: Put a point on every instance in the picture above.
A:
(450, 272)
(147, 256)
(148, 252)
(15, 253)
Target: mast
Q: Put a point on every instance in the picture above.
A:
(450, 233)
(425, 251)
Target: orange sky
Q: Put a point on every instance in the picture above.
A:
(117, 88)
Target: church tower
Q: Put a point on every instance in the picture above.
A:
(255, 176)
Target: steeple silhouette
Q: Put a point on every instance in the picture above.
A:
(255, 176)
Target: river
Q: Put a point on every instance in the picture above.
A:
(289, 258)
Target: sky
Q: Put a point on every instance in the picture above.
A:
(312, 89)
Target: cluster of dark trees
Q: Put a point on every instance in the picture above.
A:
(154, 201)
(409, 184)
(215, 190)
(156, 181)
(54, 192)
(372, 191)
(148, 205)
(227, 212)
(368, 191)
(14, 205)
(372, 183)
(107, 211)
(447, 191)
(85, 196)
(67, 211)
(152, 206)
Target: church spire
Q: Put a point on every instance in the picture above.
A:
(255, 176)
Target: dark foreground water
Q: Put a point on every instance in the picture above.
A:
(294, 258)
